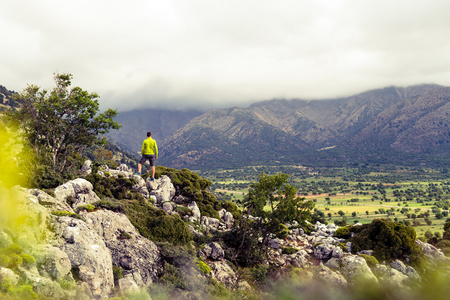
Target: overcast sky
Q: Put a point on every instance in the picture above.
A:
(211, 53)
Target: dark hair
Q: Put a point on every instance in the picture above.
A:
(149, 133)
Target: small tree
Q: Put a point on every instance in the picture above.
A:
(62, 123)
(268, 204)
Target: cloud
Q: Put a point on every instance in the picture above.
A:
(203, 53)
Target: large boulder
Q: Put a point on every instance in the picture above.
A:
(89, 257)
(222, 272)
(196, 215)
(136, 255)
(52, 262)
(390, 277)
(226, 217)
(78, 192)
(161, 188)
(212, 251)
(356, 270)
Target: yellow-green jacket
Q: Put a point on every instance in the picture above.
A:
(149, 147)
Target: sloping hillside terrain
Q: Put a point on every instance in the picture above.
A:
(393, 119)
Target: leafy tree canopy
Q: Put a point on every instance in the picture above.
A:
(62, 123)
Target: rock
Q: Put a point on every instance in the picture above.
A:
(210, 222)
(5, 239)
(89, 257)
(141, 186)
(35, 229)
(356, 270)
(127, 284)
(129, 250)
(324, 251)
(300, 259)
(78, 191)
(366, 252)
(161, 188)
(196, 215)
(335, 279)
(433, 254)
(86, 169)
(8, 274)
(404, 269)
(168, 207)
(390, 277)
(226, 217)
(222, 272)
(213, 251)
(275, 243)
(52, 261)
(49, 202)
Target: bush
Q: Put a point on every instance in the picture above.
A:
(61, 213)
(289, 250)
(156, 225)
(117, 272)
(343, 232)
(388, 240)
(203, 268)
(370, 260)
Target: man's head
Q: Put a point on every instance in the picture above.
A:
(149, 134)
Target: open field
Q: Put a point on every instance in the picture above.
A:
(420, 198)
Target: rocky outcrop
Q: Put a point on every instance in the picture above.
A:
(161, 188)
(212, 251)
(136, 255)
(89, 257)
(77, 192)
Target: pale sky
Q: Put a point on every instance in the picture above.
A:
(210, 53)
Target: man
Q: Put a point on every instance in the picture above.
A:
(149, 151)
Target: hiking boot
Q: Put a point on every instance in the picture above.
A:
(153, 179)
(137, 173)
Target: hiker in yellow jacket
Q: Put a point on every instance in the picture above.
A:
(149, 151)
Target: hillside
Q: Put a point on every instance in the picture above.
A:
(291, 131)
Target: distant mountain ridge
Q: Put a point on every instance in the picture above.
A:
(135, 125)
(406, 120)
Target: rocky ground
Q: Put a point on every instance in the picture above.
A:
(85, 248)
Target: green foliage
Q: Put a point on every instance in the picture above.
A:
(14, 257)
(388, 240)
(110, 204)
(371, 260)
(203, 268)
(60, 125)
(190, 185)
(117, 272)
(113, 187)
(61, 213)
(343, 232)
(289, 250)
(156, 225)
(284, 207)
(86, 207)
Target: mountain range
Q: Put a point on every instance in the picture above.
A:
(401, 125)
(392, 122)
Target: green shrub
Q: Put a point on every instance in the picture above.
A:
(117, 272)
(203, 268)
(27, 259)
(110, 204)
(282, 231)
(183, 211)
(86, 207)
(156, 225)
(114, 187)
(61, 213)
(289, 250)
(371, 260)
(343, 232)
(4, 260)
(388, 240)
